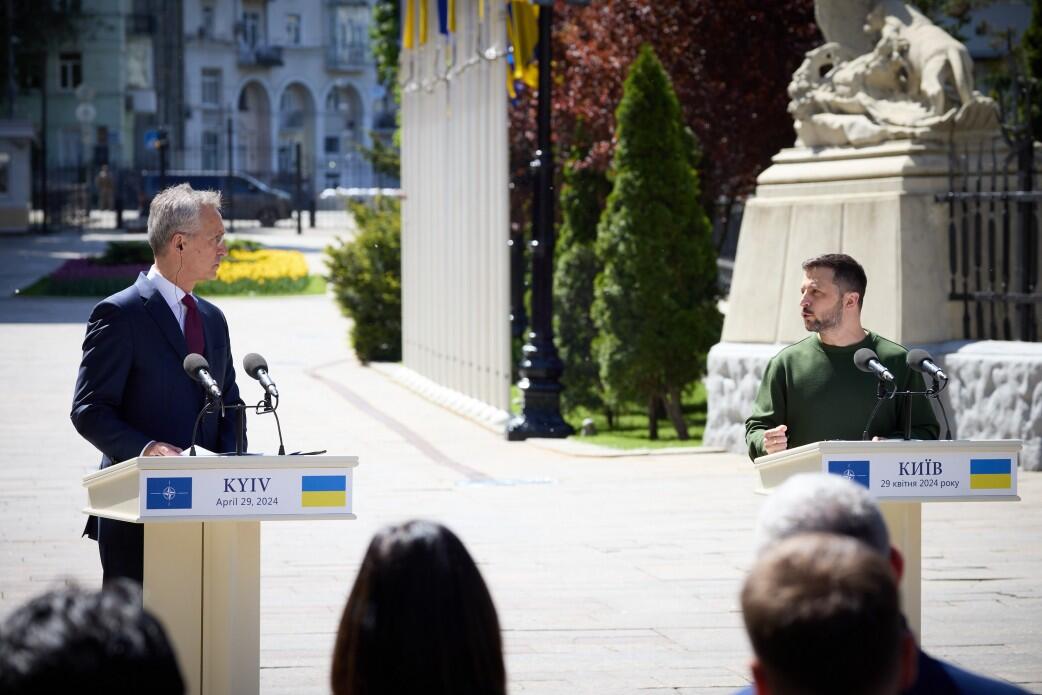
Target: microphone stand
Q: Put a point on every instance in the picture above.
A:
(208, 407)
(881, 395)
(262, 408)
(935, 393)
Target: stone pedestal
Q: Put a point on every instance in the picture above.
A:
(876, 204)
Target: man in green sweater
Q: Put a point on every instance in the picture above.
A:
(812, 391)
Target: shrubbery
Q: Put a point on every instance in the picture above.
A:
(366, 277)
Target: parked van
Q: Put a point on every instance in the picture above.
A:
(249, 198)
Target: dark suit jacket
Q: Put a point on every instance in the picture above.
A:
(132, 388)
(936, 677)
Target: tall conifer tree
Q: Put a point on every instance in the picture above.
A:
(583, 192)
(655, 301)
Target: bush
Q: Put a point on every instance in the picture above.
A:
(366, 274)
(583, 192)
(655, 301)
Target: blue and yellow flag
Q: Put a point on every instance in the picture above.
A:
(991, 474)
(323, 491)
(409, 25)
(423, 22)
(523, 33)
(446, 16)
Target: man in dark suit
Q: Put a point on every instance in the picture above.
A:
(133, 397)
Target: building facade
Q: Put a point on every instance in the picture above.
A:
(233, 84)
(262, 78)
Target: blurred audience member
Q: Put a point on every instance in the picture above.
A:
(823, 503)
(823, 617)
(75, 641)
(419, 620)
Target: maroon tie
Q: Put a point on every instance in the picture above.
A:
(193, 326)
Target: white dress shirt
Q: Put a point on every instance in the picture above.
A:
(171, 293)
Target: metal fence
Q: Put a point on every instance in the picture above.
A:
(993, 230)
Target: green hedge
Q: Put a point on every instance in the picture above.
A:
(366, 274)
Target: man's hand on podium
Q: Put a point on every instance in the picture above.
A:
(161, 449)
(775, 439)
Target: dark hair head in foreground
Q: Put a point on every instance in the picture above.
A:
(823, 617)
(71, 640)
(419, 620)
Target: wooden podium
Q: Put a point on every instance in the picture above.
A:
(901, 475)
(202, 546)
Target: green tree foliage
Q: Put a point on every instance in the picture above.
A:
(655, 301)
(384, 38)
(366, 274)
(384, 33)
(583, 193)
(1032, 44)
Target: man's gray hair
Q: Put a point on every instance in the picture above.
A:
(177, 209)
(821, 503)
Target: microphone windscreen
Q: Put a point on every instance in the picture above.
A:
(252, 363)
(916, 358)
(862, 357)
(194, 362)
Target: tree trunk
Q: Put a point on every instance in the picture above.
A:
(676, 414)
(609, 415)
(653, 406)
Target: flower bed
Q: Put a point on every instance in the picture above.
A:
(246, 270)
(264, 271)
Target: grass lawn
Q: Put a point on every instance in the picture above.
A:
(631, 426)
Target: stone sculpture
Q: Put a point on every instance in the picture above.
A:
(885, 72)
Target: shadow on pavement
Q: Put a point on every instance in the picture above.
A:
(46, 309)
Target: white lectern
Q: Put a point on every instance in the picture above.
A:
(902, 475)
(202, 545)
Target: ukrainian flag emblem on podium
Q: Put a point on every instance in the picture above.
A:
(991, 474)
(323, 491)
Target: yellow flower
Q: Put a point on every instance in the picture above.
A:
(265, 265)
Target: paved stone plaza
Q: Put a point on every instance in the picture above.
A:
(610, 575)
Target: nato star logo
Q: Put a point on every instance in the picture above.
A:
(169, 493)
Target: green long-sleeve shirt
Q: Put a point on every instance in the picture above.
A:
(820, 394)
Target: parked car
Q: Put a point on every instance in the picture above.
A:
(249, 198)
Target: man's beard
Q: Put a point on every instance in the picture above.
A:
(828, 320)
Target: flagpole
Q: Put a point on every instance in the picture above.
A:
(540, 366)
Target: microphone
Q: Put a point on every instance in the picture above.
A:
(921, 361)
(257, 367)
(867, 360)
(199, 369)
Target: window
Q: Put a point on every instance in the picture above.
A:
(206, 27)
(211, 86)
(291, 110)
(293, 29)
(70, 70)
(5, 161)
(332, 144)
(211, 150)
(251, 28)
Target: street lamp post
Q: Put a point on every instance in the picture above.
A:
(540, 367)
